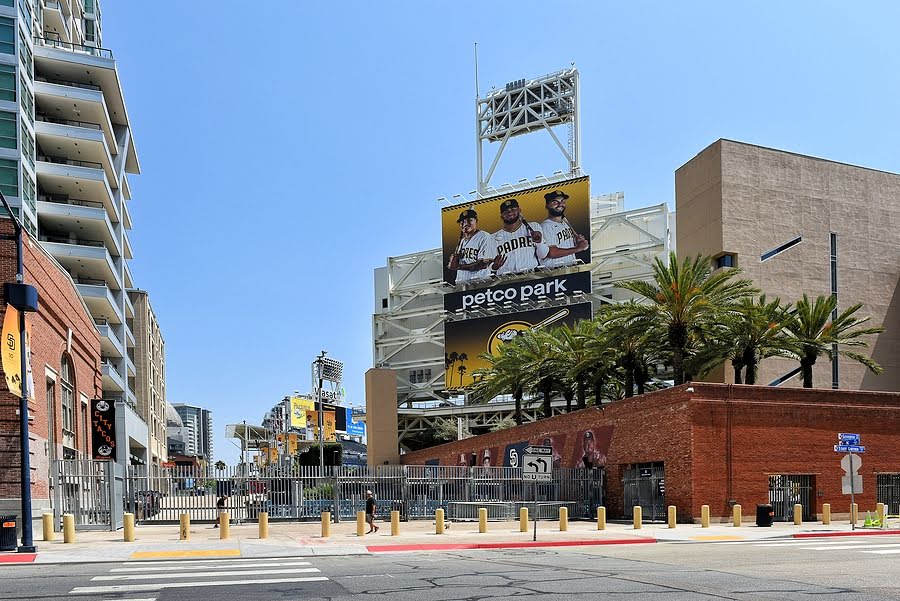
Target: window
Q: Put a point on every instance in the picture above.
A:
(7, 130)
(7, 36)
(89, 7)
(28, 192)
(25, 56)
(27, 146)
(726, 260)
(89, 26)
(27, 101)
(6, 2)
(780, 249)
(9, 177)
(51, 417)
(27, 16)
(8, 82)
(68, 396)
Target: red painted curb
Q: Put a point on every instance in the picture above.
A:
(851, 533)
(507, 545)
(17, 557)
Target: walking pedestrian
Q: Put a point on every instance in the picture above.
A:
(370, 512)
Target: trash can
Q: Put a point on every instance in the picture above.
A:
(8, 533)
(764, 515)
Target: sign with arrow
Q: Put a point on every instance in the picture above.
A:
(537, 467)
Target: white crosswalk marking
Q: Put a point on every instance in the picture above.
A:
(210, 567)
(121, 588)
(875, 545)
(205, 574)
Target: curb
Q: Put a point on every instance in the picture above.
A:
(851, 533)
(17, 557)
(506, 545)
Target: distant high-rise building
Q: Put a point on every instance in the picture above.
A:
(197, 423)
(150, 383)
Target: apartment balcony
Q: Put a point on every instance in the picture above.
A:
(127, 252)
(129, 280)
(57, 21)
(73, 101)
(61, 176)
(110, 345)
(87, 258)
(130, 342)
(99, 298)
(129, 367)
(112, 380)
(86, 65)
(75, 140)
(126, 215)
(87, 218)
(129, 307)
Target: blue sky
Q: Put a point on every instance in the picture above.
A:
(288, 148)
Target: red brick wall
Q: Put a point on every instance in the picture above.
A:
(60, 309)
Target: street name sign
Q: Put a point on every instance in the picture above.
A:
(849, 448)
(536, 450)
(851, 439)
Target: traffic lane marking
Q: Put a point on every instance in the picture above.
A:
(206, 566)
(203, 574)
(123, 588)
(230, 560)
(195, 553)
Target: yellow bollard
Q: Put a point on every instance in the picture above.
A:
(360, 523)
(798, 514)
(326, 524)
(128, 531)
(224, 525)
(879, 510)
(704, 516)
(263, 524)
(826, 513)
(563, 519)
(68, 528)
(184, 528)
(439, 521)
(637, 511)
(523, 519)
(673, 515)
(854, 513)
(601, 518)
(47, 522)
(482, 520)
(736, 516)
(395, 523)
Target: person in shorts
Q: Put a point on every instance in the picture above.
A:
(370, 512)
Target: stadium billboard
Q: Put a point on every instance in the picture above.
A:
(466, 340)
(543, 227)
(519, 292)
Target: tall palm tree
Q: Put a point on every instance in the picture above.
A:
(449, 361)
(504, 374)
(572, 359)
(599, 362)
(685, 299)
(535, 350)
(630, 339)
(816, 334)
(756, 332)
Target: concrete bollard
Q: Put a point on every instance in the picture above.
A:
(523, 519)
(326, 524)
(263, 524)
(736, 516)
(395, 523)
(128, 530)
(68, 528)
(360, 523)
(184, 527)
(47, 523)
(672, 512)
(637, 516)
(826, 513)
(704, 516)
(854, 513)
(439, 521)
(601, 518)
(879, 511)
(563, 519)
(482, 520)
(224, 525)
(798, 514)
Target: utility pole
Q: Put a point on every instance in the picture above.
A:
(321, 414)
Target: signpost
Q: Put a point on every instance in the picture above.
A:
(850, 444)
(536, 466)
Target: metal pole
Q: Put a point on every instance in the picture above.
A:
(321, 415)
(534, 488)
(852, 494)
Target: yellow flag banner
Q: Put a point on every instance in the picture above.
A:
(12, 362)
(299, 407)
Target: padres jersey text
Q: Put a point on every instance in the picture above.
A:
(479, 246)
(560, 235)
(521, 252)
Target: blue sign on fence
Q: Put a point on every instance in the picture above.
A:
(849, 448)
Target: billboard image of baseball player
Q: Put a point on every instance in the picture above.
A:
(520, 244)
(475, 252)
(562, 240)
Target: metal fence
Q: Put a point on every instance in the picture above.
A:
(887, 488)
(163, 494)
(645, 485)
(785, 491)
(89, 490)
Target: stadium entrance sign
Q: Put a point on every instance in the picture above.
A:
(519, 292)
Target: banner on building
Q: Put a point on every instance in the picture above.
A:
(465, 341)
(299, 407)
(354, 428)
(516, 293)
(103, 429)
(11, 358)
(543, 227)
(312, 421)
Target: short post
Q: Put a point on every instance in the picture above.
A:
(184, 527)
(523, 519)
(224, 525)
(798, 514)
(879, 510)
(47, 523)
(68, 528)
(672, 515)
(395, 523)
(128, 530)
(601, 518)
(360, 523)
(704, 516)
(482, 520)
(637, 514)
(439, 521)
(736, 516)
(563, 519)
(326, 524)
(826, 513)
(263, 524)
(854, 513)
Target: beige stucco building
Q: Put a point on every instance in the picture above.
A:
(780, 215)
(150, 383)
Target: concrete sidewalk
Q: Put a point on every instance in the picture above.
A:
(304, 539)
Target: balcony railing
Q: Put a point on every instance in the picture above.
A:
(89, 281)
(92, 50)
(65, 200)
(65, 161)
(100, 321)
(65, 82)
(75, 241)
(85, 124)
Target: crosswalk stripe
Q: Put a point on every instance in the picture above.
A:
(884, 551)
(123, 588)
(203, 574)
(850, 547)
(817, 545)
(176, 562)
(210, 567)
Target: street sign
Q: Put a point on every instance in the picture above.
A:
(537, 467)
(537, 450)
(848, 438)
(849, 448)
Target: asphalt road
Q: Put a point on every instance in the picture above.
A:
(845, 569)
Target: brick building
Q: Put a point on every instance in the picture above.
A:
(65, 359)
(714, 444)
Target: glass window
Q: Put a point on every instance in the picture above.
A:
(68, 396)
(27, 146)
(51, 417)
(25, 56)
(27, 100)
(25, 8)
(7, 36)
(89, 30)
(28, 192)
(7, 129)
(8, 82)
(6, 2)
(89, 7)
(9, 177)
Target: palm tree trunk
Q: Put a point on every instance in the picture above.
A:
(517, 395)
(568, 394)
(806, 370)
(751, 373)
(547, 389)
(580, 392)
(737, 371)
(749, 359)
(598, 391)
(629, 382)
(678, 340)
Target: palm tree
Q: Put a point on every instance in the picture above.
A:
(630, 340)
(599, 363)
(220, 465)
(449, 361)
(503, 375)
(686, 299)
(756, 332)
(815, 333)
(534, 348)
(572, 359)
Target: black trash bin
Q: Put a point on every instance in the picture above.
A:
(8, 533)
(764, 515)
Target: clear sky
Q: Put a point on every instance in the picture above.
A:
(288, 148)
